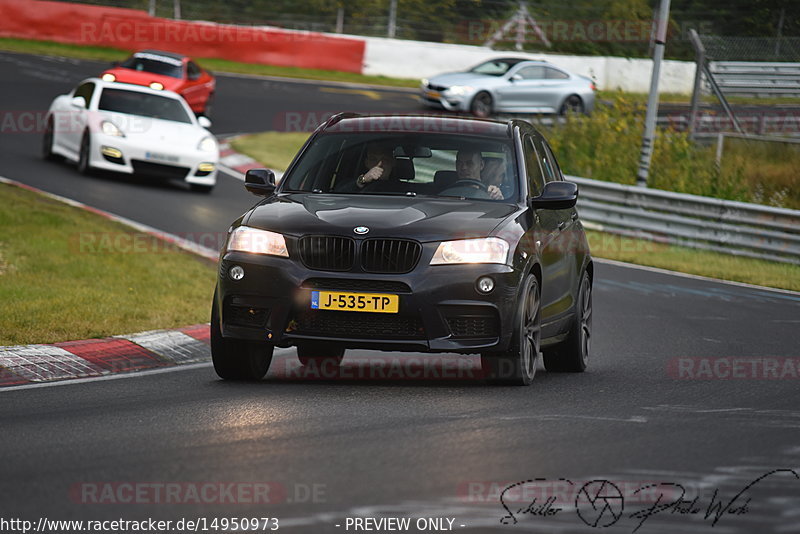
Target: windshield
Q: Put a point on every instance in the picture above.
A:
(143, 105)
(440, 165)
(162, 65)
(495, 67)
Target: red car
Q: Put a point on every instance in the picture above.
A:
(166, 70)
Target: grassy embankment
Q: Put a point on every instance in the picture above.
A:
(69, 274)
(276, 150)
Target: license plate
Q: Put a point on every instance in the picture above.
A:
(362, 302)
(432, 94)
(162, 157)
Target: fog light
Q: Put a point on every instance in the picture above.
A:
(236, 273)
(485, 284)
(111, 152)
(205, 167)
(158, 86)
(108, 77)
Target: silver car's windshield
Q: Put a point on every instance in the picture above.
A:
(495, 67)
(441, 165)
(143, 105)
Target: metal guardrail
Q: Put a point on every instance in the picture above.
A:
(725, 226)
(751, 78)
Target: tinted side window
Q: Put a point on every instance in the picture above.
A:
(534, 171)
(193, 70)
(546, 160)
(555, 74)
(532, 73)
(553, 162)
(86, 90)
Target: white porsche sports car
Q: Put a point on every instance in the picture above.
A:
(131, 129)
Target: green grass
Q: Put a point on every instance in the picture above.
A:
(68, 274)
(694, 261)
(276, 150)
(222, 65)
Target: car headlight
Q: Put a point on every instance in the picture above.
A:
(460, 89)
(486, 250)
(109, 128)
(424, 82)
(207, 144)
(246, 239)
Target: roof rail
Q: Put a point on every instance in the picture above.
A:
(339, 116)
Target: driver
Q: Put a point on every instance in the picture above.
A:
(469, 164)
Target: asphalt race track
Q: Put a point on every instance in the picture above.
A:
(664, 401)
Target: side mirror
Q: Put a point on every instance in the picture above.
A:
(260, 182)
(516, 78)
(78, 102)
(204, 121)
(556, 196)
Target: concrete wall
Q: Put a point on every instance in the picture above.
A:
(414, 59)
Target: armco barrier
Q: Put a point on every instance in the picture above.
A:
(130, 29)
(707, 223)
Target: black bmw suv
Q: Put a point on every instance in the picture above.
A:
(409, 233)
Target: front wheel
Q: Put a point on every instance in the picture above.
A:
(572, 354)
(237, 359)
(84, 155)
(481, 105)
(517, 366)
(47, 142)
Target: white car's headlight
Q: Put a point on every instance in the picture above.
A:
(207, 144)
(460, 89)
(109, 128)
(424, 82)
(246, 239)
(486, 250)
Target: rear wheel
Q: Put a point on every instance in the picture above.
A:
(572, 354)
(84, 166)
(320, 354)
(517, 366)
(237, 359)
(572, 104)
(481, 105)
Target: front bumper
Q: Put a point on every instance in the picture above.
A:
(158, 161)
(440, 307)
(445, 100)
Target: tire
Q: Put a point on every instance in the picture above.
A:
(320, 355)
(84, 167)
(481, 105)
(200, 188)
(572, 354)
(572, 104)
(517, 366)
(47, 143)
(237, 359)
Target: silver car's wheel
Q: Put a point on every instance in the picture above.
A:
(572, 104)
(481, 105)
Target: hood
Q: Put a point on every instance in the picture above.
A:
(462, 78)
(419, 218)
(157, 132)
(145, 78)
